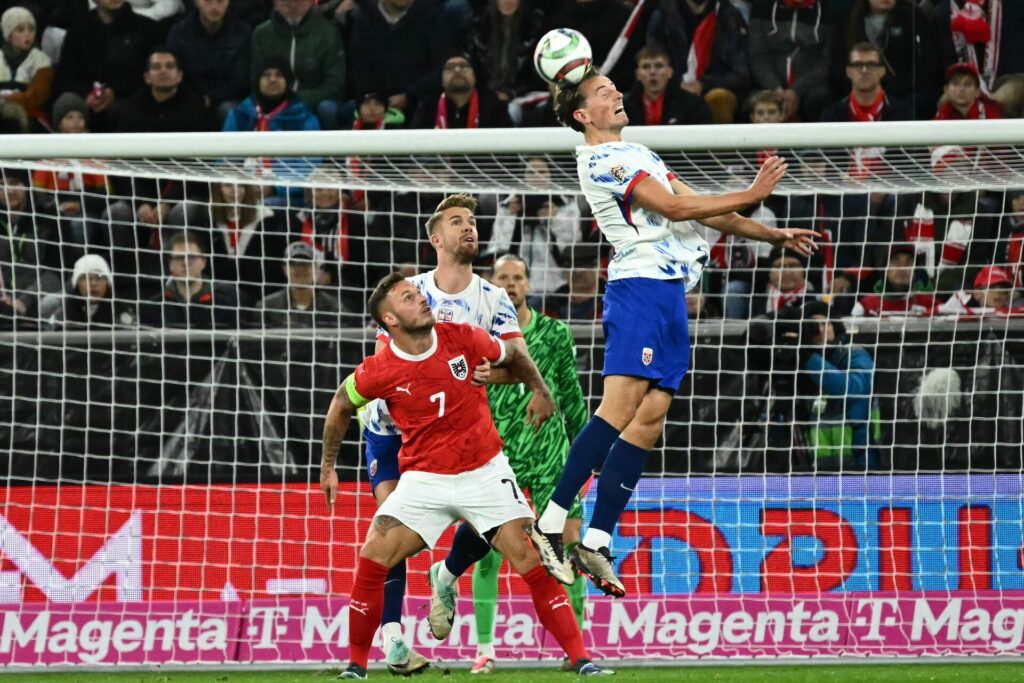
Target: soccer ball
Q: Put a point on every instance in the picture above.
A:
(562, 55)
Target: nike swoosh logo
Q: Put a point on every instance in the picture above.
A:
(627, 488)
(451, 620)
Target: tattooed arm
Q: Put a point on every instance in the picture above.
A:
(338, 416)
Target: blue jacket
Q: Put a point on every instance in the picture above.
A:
(295, 117)
(845, 379)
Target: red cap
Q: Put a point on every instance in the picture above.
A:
(989, 276)
(963, 68)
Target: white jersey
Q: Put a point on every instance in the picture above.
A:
(646, 244)
(480, 304)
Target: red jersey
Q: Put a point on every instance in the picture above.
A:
(444, 418)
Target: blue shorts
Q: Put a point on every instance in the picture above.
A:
(381, 457)
(646, 332)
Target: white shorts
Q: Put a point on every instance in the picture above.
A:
(429, 503)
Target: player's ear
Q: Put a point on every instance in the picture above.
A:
(581, 117)
(389, 318)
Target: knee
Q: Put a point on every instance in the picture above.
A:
(723, 104)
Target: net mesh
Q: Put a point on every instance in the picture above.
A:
(160, 500)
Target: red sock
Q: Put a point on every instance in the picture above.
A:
(555, 612)
(365, 607)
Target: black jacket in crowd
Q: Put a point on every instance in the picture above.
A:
(493, 112)
(216, 65)
(183, 112)
(215, 305)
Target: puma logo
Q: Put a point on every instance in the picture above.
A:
(362, 610)
(563, 603)
(405, 389)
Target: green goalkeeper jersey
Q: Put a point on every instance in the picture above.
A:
(538, 458)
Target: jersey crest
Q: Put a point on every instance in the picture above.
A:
(445, 314)
(647, 356)
(618, 172)
(459, 367)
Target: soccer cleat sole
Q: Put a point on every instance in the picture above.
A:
(416, 665)
(603, 585)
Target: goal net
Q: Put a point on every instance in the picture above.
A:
(840, 473)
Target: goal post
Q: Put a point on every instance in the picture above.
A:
(841, 486)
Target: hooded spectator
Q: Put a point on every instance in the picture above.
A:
(274, 105)
(26, 74)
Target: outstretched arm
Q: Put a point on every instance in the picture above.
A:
(798, 240)
(338, 416)
(652, 196)
(522, 369)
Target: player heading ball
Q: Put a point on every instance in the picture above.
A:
(645, 212)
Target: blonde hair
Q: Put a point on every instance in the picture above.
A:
(452, 201)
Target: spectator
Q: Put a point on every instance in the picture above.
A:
(655, 101)
(247, 240)
(417, 39)
(273, 106)
(734, 259)
(539, 112)
(789, 50)
(213, 45)
(686, 30)
(373, 113)
(1011, 237)
(907, 45)
(189, 299)
(579, 299)
(899, 293)
(461, 103)
(539, 228)
(336, 229)
(76, 198)
(786, 286)
(104, 56)
(165, 105)
(699, 306)
(302, 304)
(601, 21)
(867, 101)
(89, 301)
(27, 269)
(502, 43)
(992, 294)
(26, 74)
(970, 31)
(834, 390)
(964, 98)
(726, 81)
(312, 48)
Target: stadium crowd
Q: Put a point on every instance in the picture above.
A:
(223, 255)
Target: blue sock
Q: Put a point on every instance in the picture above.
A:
(615, 486)
(467, 548)
(394, 594)
(587, 453)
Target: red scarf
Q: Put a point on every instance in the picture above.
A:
(340, 239)
(263, 120)
(233, 235)
(472, 119)
(653, 109)
(983, 108)
(870, 113)
(700, 49)
(1015, 256)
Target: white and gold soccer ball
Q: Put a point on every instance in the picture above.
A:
(562, 55)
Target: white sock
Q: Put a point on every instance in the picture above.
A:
(445, 577)
(391, 633)
(553, 519)
(485, 650)
(595, 539)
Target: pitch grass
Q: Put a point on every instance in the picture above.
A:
(937, 672)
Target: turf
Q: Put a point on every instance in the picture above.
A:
(986, 672)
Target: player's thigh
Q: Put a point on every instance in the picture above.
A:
(381, 455)
(645, 428)
(422, 502)
(621, 399)
(389, 541)
(490, 496)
